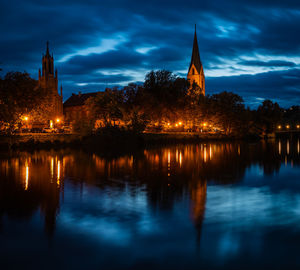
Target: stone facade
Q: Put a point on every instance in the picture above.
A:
(196, 73)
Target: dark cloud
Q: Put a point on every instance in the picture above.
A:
(279, 86)
(263, 32)
(274, 63)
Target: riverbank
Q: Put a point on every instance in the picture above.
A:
(108, 140)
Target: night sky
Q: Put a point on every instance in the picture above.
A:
(250, 47)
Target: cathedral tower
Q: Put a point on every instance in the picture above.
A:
(48, 81)
(196, 73)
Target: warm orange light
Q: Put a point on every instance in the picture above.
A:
(57, 120)
(176, 125)
(26, 118)
(168, 124)
(279, 127)
(287, 126)
(51, 124)
(204, 124)
(298, 126)
(180, 123)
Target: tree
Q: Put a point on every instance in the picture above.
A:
(268, 115)
(227, 109)
(108, 106)
(19, 94)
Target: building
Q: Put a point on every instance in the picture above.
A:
(76, 107)
(196, 73)
(50, 111)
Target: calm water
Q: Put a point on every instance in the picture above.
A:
(215, 206)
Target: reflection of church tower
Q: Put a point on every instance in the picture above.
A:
(48, 80)
(196, 73)
(198, 197)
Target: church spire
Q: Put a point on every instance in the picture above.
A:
(196, 73)
(47, 50)
(195, 55)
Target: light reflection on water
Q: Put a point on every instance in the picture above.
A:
(215, 205)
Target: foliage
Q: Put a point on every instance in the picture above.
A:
(108, 106)
(268, 115)
(19, 94)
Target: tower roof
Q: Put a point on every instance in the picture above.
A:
(47, 50)
(195, 55)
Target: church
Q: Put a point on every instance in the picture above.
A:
(195, 72)
(49, 113)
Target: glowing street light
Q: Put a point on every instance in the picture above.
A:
(279, 127)
(204, 124)
(298, 126)
(57, 120)
(26, 118)
(180, 123)
(287, 126)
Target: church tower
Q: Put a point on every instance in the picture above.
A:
(196, 73)
(48, 81)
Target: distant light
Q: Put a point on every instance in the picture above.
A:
(298, 126)
(57, 120)
(176, 125)
(180, 123)
(168, 124)
(204, 124)
(279, 127)
(287, 126)
(26, 118)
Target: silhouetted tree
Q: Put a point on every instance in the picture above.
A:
(19, 94)
(268, 115)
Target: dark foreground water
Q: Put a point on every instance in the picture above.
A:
(208, 206)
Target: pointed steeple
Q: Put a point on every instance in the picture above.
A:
(196, 72)
(47, 50)
(195, 55)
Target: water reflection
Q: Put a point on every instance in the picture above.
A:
(118, 199)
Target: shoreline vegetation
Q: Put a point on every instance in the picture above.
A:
(116, 140)
(164, 109)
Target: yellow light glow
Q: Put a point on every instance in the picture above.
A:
(168, 124)
(279, 127)
(52, 168)
(204, 124)
(298, 126)
(176, 125)
(26, 176)
(205, 154)
(180, 123)
(26, 118)
(287, 126)
(51, 124)
(279, 147)
(180, 159)
(58, 173)
(57, 120)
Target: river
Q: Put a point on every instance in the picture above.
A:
(210, 206)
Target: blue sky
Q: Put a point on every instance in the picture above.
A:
(249, 47)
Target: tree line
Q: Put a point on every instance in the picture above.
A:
(164, 102)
